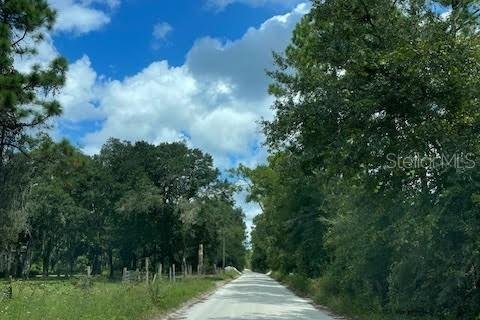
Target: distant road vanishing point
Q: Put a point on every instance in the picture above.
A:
(253, 296)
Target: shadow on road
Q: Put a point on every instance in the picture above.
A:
(265, 291)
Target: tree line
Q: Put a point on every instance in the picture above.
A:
(372, 184)
(62, 210)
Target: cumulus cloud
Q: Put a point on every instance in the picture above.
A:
(78, 97)
(154, 105)
(225, 131)
(214, 101)
(222, 4)
(82, 16)
(165, 104)
(243, 62)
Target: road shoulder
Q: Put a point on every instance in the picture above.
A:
(176, 313)
(310, 301)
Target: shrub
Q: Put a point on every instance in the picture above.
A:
(157, 291)
(299, 283)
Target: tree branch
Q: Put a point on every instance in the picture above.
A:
(20, 39)
(368, 17)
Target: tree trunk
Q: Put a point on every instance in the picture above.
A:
(27, 261)
(110, 263)
(45, 255)
(9, 261)
(200, 259)
(223, 251)
(46, 264)
(71, 267)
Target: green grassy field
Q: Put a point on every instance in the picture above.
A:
(72, 300)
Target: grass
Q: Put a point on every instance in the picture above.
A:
(72, 300)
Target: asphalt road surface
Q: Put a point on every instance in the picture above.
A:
(253, 296)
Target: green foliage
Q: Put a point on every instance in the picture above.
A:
(157, 291)
(291, 229)
(364, 88)
(300, 283)
(130, 202)
(26, 102)
(229, 274)
(83, 283)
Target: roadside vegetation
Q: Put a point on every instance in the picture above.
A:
(370, 196)
(72, 225)
(101, 299)
(325, 294)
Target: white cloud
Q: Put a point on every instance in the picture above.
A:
(154, 105)
(80, 17)
(214, 101)
(225, 130)
(243, 62)
(78, 97)
(445, 15)
(163, 103)
(250, 209)
(222, 4)
(161, 30)
(109, 3)
(46, 52)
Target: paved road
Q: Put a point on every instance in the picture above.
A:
(253, 296)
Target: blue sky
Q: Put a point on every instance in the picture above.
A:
(125, 45)
(163, 71)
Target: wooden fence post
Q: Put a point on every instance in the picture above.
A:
(200, 259)
(184, 268)
(147, 266)
(124, 275)
(9, 293)
(89, 275)
(173, 272)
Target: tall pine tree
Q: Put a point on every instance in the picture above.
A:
(26, 99)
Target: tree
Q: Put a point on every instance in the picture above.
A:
(373, 101)
(23, 23)
(160, 202)
(290, 231)
(130, 202)
(55, 218)
(25, 98)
